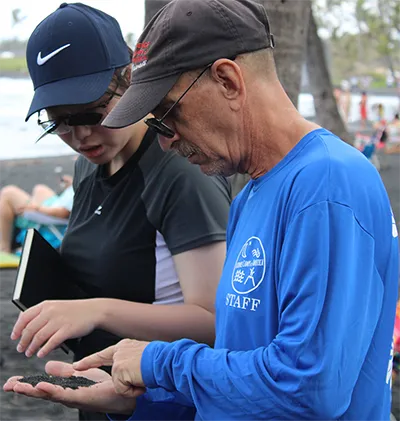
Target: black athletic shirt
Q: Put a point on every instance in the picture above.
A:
(124, 229)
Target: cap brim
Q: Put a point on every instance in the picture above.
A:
(74, 90)
(139, 100)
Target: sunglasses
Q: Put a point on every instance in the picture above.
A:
(62, 125)
(157, 123)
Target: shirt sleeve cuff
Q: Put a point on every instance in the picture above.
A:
(147, 362)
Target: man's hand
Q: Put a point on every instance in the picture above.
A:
(50, 323)
(125, 358)
(100, 397)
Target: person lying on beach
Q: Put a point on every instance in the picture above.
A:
(14, 201)
(146, 235)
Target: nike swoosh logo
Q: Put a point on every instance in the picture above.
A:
(41, 60)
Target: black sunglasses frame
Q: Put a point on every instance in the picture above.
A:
(86, 118)
(158, 125)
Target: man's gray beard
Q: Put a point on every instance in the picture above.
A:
(215, 168)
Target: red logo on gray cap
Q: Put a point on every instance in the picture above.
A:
(139, 58)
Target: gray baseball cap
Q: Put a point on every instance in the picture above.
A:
(186, 35)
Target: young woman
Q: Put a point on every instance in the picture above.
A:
(146, 237)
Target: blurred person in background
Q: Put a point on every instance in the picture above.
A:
(363, 109)
(14, 201)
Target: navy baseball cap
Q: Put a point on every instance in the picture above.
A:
(186, 35)
(72, 55)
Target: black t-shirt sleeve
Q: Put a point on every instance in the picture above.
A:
(190, 209)
(82, 169)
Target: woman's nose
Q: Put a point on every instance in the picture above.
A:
(81, 132)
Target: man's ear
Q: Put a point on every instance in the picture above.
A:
(229, 76)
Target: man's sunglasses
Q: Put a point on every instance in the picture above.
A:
(157, 123)
(63, 124)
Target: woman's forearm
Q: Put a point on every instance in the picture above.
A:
(155, 322)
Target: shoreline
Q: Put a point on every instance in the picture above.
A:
(384, 91)
(33, 159)
(14, 75)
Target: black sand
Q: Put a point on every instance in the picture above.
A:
(27, 173)
(73, 382)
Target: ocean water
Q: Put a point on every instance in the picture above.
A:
(17, 138)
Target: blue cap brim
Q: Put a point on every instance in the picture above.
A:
(75, 90)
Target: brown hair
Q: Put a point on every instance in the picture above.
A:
(122, 75)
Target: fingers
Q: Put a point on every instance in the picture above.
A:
(53, 392)
(10, 383)
(127, 390)
(53, 342)
(23, 319)
(13, 385)
(104, 357)
(35, 335)
(28, 390)
(59, 368)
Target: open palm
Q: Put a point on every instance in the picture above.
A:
(100, 397)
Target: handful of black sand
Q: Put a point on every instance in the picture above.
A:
(73, 382)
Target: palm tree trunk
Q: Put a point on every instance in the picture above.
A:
(289, 24)
(326, 109)
(151, 7)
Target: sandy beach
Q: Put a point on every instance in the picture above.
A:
(26, 173)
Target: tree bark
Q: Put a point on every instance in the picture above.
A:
(289, 24)
(326, 109)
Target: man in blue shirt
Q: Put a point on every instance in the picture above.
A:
(306, 303)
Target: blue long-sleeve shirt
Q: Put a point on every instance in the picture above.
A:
(306, 303)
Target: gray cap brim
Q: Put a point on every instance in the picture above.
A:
(139, 100)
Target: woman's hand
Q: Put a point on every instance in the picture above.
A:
(50, 323)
